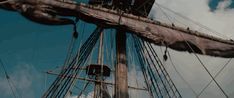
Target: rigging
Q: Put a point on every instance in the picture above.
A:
(161, 7)
(216, 75)
(174, 66)
(203, 65)
(161, 72)
(13, 88)
(77, 61)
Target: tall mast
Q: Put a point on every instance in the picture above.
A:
(98, 87)
(121, 78)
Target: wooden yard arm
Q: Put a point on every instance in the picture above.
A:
(176, 38)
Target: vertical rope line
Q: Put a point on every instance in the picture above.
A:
(147, 52)
(156, 56)
(141, 61)
(7, 78)
(143, 71)
(205, 68)
(203, 65)
(186, 82)
(216, 75)
(80, 58)
(97, 31)
(149, 67)
(163, 70)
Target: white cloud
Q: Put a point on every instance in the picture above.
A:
(224, 4)
(82, 96)
(22, 79)
(89, 95)
(220, 20)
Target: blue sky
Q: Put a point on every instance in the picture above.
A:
(32, 48)
(214, 3)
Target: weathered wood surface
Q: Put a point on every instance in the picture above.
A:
(49, 11)
(121, 68)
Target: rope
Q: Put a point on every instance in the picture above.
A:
(69, 52)
(45, 81)
(84, 88)
(150, 71)
(204, 66)
(84, 91)
(206, 69)
(167, 89)
(165, 56)
(186, 82)
(83, 57)
(132, 60)
(161, 68)
(79, 60)
(70, 49)
(217, 74)
(196, 23)
(142, 63)
(68, 81)
(72, 72)
(8, 78)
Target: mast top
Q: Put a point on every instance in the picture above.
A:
(136, 7)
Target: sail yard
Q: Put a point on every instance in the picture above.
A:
(152, 31)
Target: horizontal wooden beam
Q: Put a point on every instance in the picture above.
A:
(92, 80)
(180, 39)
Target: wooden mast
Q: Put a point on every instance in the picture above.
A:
(121, 78)
(97, 87)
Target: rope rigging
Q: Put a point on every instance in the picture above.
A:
(161, 7)
(168, 85)
(75, 36)
(151, 76)
(158, 71)
(189, 46)
(142, 62)
(206, 69)
(84, 88)
(148, 82)
(68, 82)
(83, 91)
(13, 88)
(163, 68)
(216, 75)
(71, 46)
(61, 84)
(172, 63)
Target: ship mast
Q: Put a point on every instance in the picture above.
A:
(121, 78)
(98, 86)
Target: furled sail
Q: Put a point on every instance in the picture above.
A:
(155, 32)
(136, 7)
(142, 7)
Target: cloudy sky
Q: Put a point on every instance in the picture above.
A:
(214, 14)
(27, 49)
